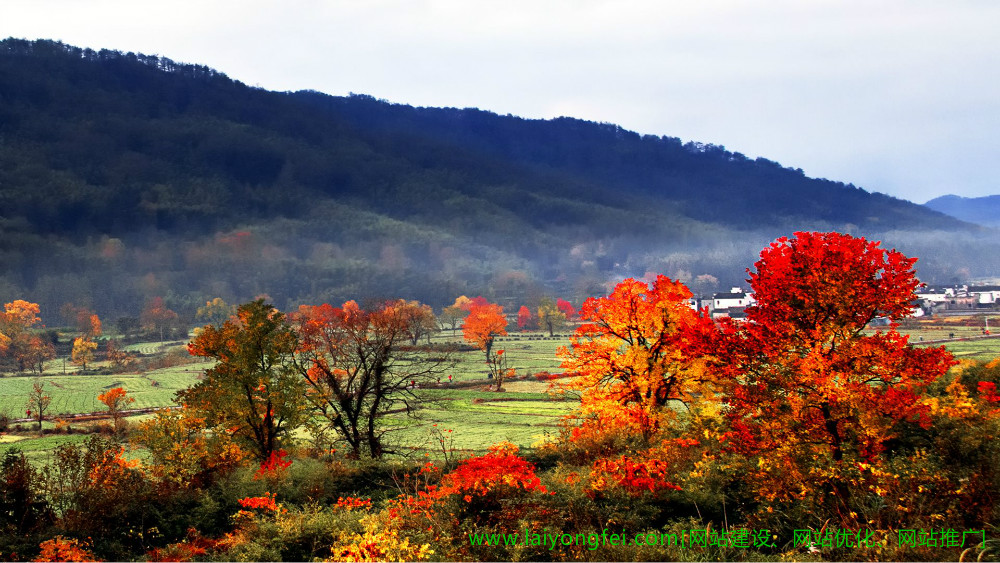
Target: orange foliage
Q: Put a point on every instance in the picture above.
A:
(640, 350)
(112, 468)
(483, 324)
(115, 399)
(63, 549)
(649, 472)
(18, 317)
(93, 326)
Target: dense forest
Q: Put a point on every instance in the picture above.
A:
(125, 177)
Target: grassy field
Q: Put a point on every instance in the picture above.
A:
(477, 417)
(463, 412)
(73, 394)
(950, 332)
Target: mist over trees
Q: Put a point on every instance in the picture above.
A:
(126, 177)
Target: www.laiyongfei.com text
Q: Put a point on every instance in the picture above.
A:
(688, 538)
(742, 538)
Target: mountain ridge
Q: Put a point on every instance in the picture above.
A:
(341, 196)
(983, 210)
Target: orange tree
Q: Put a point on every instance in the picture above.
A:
(16, 340)
(115, 399)
(638, 352)
(483, 324)
(814, 394)
(254, 392)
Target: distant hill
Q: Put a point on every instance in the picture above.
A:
(982, 210)
(124, 176)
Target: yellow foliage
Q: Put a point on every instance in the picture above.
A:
(378, 543)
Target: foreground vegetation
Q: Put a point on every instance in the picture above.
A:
(797, 435)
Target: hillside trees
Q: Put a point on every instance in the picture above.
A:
(357, 373)
(254, 391)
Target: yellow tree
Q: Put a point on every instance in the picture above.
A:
(453, 314)
(185, 451)
(83, 351)
(116, 400)
(638, 352)
(215, 312)
(550, 317)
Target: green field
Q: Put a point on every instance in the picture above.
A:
(74, 394)
(477, 417)
(983, 350)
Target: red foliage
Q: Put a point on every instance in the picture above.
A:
(478, 301)
(274, 467)
(493, 471)
(806, 374)
(266, 502)
(351, 503)
(988, 391)
(567, 308)
(526, 320)
(636, 475)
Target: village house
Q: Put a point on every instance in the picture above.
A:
(731, 304)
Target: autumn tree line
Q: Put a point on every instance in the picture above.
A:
(773, 437)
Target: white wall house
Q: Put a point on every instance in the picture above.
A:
(736, 298)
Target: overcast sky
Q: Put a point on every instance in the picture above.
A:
(898, 96)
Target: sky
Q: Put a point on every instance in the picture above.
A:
(895, 96)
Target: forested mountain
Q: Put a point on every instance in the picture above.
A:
(982, 210)
(126, 176)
